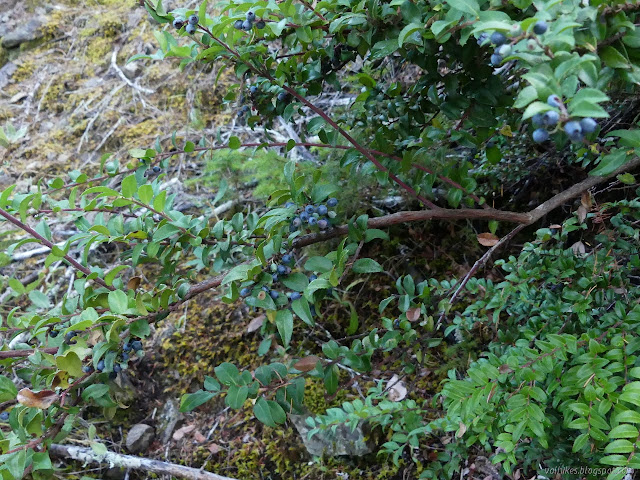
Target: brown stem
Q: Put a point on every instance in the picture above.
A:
(47, 243)
(26, 352)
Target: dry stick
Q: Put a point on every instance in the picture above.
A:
(46, 242)
(87, 455)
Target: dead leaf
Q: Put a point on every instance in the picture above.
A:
(256, 323)
(582, 213)
(306, 364)
(214, 448)
(505, 369)
(398, 390)
(134, 283)
(487, 239)
(578, 248)
(181, 432)
(586, 200)
(43, 399)
(462, 428)
(556, 227)
(413, 314)
(198, 437)
(17, 97)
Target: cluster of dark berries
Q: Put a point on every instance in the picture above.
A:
(502, 48)
(575, 129)
(247, 24)
(191, 24)
(313, 215)
(122, 359)
(4, 416)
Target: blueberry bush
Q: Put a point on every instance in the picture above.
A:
(446, 98)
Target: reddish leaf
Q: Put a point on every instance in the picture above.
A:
(487, 239)
(306, 364)
(181, 432)
(413, 314)
(43, 399)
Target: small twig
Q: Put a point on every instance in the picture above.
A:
(124, 78)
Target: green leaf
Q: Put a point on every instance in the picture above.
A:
(467, 6)
(331, 379)
(613, 58)
(191, 401)
(269, 412)
(301, 308)
(366, 265)
(318, 264)
(619, 446)
(118, 302)
(129, 186)
(580, 441)
(227, 373)
(408, 31)
(624, 430)
(234, 143)
(8, 390)
(284, 324)
(295, 281)
(211, 384)
(70, 363)
(236, 396)
(609, 163)
(145, 193)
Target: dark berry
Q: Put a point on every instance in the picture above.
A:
(588, 125)
(540, 28)
(332, 202)
(323, 224)
(496, 60)
(190, 29)
(540, 135)
(126, 347)
(289, 204)
(253, 90)
(537, 119)
(282, 269)
(178, 23)
(247, 25)
(312, 220)
(573, 130)
(193, 20)
(274, 294)
(274, 277)
(68, 338)
(125, 357)
(482, 38)
(260, 24)
(286, 258)
(554, 101)
(117, 368)
(250, 16)
(87, 369)
(309, 209)
(322, 209)
(245, 292)
(136, 345)
(238, 25)
(113, 375)
(100, 366)
(53, 333)
(282, 96)
(313, 277)
(498, 39)
(304, 216)
(156, 169)
(4, 416)
(295, 295)
(550, 118)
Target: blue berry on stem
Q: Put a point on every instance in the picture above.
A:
(322, 209)
(100, 366)
(247, 25)
(496, 59)
(573, 131)
(251, 16)
(313, 220)
(313, 277)
(540, 135)
(260, 24)
(540, 28)
(482, 38)
(54, 333)
(178, 23)
(238, 24)
(4, 416)
(193, 20)
(87, 369)
(332, 202)
(136, 345)
(551, 118)
(286, 258)
(295, 295)
(537, 119)
(588, 125)
(245, 292)
(554, 101)
(282, 269)
(190, 29)
(498, 39)
(309, 209)
(296, 222)
(304, 216)
(274, 294)
(323, 224)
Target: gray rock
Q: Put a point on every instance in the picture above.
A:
(6, 73)
(139, 438)
(26, 32)
(341, 442)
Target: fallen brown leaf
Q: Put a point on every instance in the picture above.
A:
(306, 364)
(487, 239)
(43, 399)
(256, 323)
(181, 432)
(413, 314)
